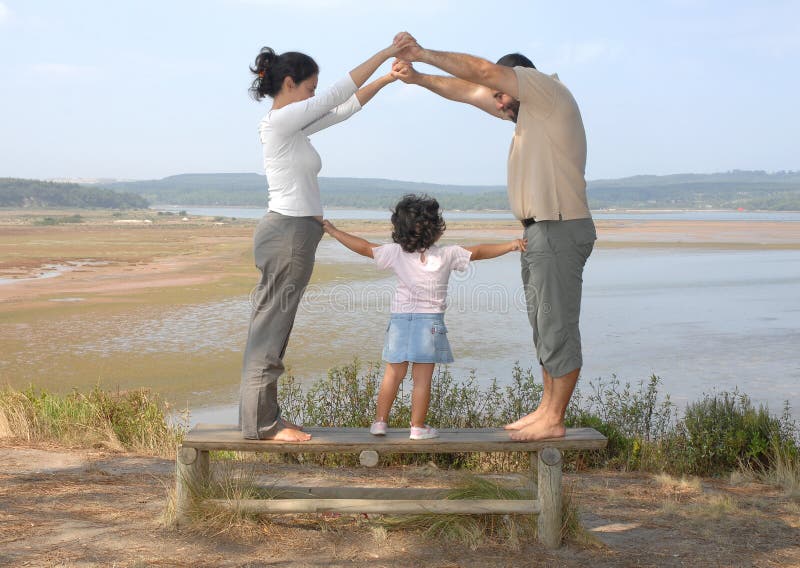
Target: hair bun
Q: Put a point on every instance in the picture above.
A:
(271, 69)
(265, 58)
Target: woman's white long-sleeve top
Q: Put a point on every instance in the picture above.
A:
(290, 161)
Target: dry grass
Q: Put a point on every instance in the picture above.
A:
(474, 531)
(783, 472)
(686, 497)
(133, 420)
(682, 485)
(237, 479)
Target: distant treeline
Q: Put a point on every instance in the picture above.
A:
(778, 191)
(27, 193)
(746, 189)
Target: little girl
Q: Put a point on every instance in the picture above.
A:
(416, 332)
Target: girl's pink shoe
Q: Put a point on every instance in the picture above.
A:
(423, 432)
(378, 428)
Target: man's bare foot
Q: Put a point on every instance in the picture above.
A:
(286, 424)
(290, 435)
(524, 421)
(540, 430)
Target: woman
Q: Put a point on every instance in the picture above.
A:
(286, 239)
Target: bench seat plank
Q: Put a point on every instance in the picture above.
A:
(207, 437)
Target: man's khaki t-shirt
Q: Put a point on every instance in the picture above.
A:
(547, 160)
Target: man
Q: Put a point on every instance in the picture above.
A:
(547, 192)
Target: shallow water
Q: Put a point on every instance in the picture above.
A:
(54, 270)
(384, 214)
(701, 320)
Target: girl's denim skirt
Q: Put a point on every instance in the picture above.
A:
(417, 338)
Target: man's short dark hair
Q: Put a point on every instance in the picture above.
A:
(516, 60)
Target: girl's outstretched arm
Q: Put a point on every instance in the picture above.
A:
(482, 252)
(354, 243)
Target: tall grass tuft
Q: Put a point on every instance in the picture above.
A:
(131, 420)
(472, 530)
(783, 472)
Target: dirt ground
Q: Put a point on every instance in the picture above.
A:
(69, 507)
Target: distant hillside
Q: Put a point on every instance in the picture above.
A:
(730, 190)
(251, 189)
(28, 193)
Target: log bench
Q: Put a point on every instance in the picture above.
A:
(545, 458)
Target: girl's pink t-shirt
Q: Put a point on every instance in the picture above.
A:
(422, 285)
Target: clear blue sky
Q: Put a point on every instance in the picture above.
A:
(145, 89)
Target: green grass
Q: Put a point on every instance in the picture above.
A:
(125, 421)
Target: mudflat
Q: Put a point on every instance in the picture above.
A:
(107, 257)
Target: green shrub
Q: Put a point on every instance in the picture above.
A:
(60, 220)
(643, 428)
(725, 430)
(633, 420)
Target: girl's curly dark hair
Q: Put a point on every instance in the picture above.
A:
(417, 222)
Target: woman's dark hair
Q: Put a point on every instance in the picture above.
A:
(271, 69)
(516, 60)
(416, 222)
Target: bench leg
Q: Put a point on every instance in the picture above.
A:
(192, 474)
(549, 525)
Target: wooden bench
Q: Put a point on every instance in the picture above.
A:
(545, 456)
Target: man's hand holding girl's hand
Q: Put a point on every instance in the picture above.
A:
(519, 244)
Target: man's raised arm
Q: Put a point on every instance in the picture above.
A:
(450, 88)
(461, 65)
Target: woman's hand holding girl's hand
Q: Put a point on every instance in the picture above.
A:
(404, 71)
(328, 227)
(519, 244)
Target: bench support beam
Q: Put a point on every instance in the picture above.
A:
(381, 506)
(191, 478)
(549, 522)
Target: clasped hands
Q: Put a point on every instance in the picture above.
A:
(408, 50)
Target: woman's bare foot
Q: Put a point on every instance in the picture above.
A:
(526, 420)
(286, 424)
(539, 430)
(290, 435)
